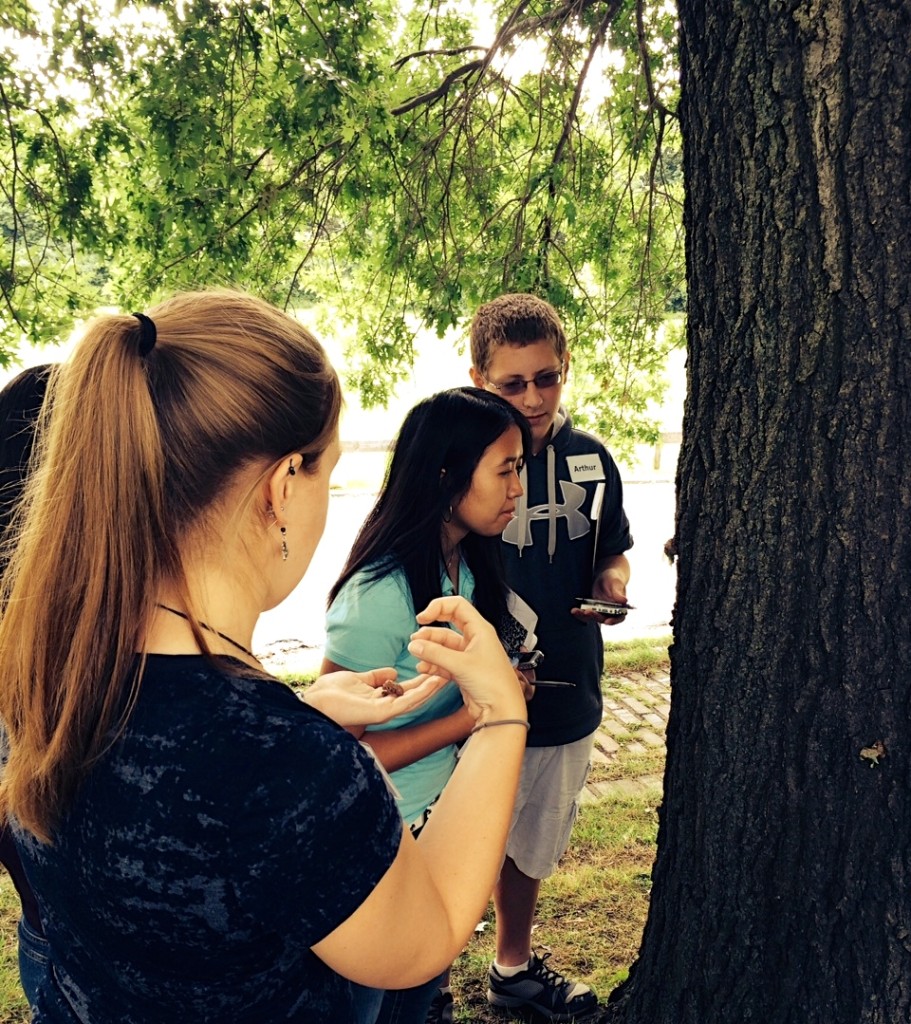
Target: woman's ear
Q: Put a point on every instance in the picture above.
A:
(280, 485)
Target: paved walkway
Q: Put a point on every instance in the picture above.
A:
(635, 720)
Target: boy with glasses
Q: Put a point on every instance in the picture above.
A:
(567, 541)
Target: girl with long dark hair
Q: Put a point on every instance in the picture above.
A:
(450, 491)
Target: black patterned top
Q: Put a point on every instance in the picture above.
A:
(229, 829)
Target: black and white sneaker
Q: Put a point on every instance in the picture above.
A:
(542, 989)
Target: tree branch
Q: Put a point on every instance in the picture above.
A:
(598, 40)
(442, 89)
(456, 52)
(653, 102)
(506, 32)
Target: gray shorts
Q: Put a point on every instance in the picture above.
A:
(546, 805)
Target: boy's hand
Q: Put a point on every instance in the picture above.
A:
(609, 585)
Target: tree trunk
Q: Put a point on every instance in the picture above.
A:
(782, 885)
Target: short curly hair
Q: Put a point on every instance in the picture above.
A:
(514, 319)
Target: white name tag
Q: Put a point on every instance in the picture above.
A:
(584, 467)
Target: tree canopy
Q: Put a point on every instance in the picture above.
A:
(374, 158)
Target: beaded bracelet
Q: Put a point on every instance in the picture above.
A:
(501, 721)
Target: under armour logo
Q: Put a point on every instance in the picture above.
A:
(577, 524)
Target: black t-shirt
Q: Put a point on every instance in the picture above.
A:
(228, 830)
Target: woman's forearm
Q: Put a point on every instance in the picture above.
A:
(466, 860)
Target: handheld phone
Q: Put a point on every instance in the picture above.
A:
(609, 608)
(526, 661)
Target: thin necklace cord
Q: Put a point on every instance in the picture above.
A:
(208, 629)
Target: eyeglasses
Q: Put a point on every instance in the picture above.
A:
(543, 381)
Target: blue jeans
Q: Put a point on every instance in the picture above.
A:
(409, 1005)
(397, 1006)
(366, 1003)
(33, 960)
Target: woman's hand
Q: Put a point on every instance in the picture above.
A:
(472, 655)
(358, 698)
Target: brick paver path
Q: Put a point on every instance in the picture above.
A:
(634, 719)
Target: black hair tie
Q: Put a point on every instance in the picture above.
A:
(148, 335)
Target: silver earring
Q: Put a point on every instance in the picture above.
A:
(284, 544)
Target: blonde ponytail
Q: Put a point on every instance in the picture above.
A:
(139, 443)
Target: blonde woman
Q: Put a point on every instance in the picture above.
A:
(203, 845)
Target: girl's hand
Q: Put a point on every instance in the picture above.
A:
(358, 698)
(472, 655)
(527, 682)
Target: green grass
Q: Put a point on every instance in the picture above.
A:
(643, 654)
(13, 1007)
(590, 913)
(629, 766)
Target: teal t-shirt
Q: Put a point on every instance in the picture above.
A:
(369, 625)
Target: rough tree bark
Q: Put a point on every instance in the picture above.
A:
(782, 885)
